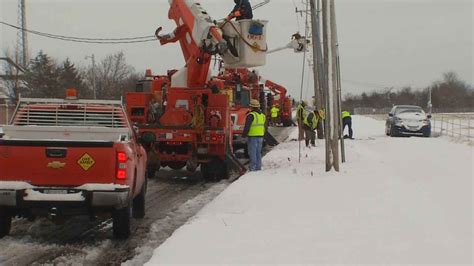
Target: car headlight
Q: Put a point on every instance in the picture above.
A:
(398, 121)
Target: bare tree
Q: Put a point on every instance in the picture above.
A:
(113, 77)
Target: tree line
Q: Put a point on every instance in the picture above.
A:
(46, 77)
(448, 94)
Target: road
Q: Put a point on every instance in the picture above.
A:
(172, 198)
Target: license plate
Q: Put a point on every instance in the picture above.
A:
(54, 191)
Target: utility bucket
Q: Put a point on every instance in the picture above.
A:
(248, 43)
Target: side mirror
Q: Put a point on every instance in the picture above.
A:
(390, 114)
(429, 116)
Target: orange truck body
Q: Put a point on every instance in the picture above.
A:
(61, 158)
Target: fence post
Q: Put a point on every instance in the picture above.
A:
(452, 127)
(468, 128)
(460, 128)
(441, 128)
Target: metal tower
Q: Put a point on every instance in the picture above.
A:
(22, 42)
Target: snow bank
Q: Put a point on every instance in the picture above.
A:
(396, 200)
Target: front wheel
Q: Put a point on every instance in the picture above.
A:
(138, 211)
(5, 222)
(392, 132)
(215, 170)
(121, 222)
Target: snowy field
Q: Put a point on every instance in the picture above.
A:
(396, 201)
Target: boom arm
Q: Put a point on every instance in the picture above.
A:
(199, 39)
(276, 88)
(298, 44)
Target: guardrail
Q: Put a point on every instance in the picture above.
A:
(457, 125)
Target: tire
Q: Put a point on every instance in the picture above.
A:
(138, 211)
(176, 165)
(392, 133)
(5, 222)
(121, 222)
(215, 170)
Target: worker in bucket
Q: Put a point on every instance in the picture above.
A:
(254, 131)
(310, 125)
(242, 10)
(301, 114)
(274, 114)
(347, 121)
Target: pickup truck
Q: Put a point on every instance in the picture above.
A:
(66, 157)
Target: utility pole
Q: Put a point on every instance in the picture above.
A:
(92, 57)
(318, 71)
(330, 86)
(339, 105)
(22, 41)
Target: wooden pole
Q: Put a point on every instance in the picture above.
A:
(327, 123)
(333, 91)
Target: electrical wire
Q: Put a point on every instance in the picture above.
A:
(83, 39)
(296, 14)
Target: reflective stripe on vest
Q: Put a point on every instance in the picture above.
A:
(315, 121)
(345, 114)
(257, 128)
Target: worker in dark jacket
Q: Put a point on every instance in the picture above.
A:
(310, 125)
(347, 121)
(242, 10)
(254, 131)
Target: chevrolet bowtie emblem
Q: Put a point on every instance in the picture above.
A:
(56, 165)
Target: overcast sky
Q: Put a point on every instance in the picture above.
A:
(383, 43)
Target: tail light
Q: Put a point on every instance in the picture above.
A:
(121, 165)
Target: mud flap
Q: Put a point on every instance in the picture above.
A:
(270, 140)
(235, 165)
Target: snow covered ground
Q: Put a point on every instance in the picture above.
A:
(396, 200)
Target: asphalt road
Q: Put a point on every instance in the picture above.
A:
(172, 198)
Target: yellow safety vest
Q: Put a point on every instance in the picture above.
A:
(301, 111)
(345, 114)
(257, 128)
(314, 120)
(275, 111)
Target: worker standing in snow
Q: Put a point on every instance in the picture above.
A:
(274, 114)
(347, 121)
(301, 114)
(254, 131)
(242, 10)
(310, 125)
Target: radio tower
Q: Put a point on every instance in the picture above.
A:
(22, 42)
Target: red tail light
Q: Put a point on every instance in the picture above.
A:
(121, 165)
(121, 157)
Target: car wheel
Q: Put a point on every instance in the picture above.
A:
(121, 222)
(138, 211)
(392, 132)
(5, 222)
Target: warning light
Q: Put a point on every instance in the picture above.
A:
(71, 94)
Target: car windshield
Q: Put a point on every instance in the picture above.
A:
(413, 109)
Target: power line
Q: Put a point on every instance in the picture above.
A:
(83, 39)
